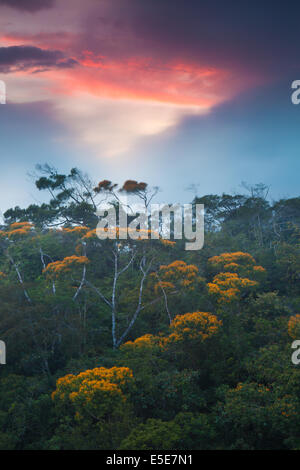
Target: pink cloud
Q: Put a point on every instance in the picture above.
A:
(119, 72)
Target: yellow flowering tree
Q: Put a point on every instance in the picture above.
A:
(17, 230)
(97, 401)
(238, 273)
(194, 326)
(187, 341)
(178, 274)
(187, 327)
(59, 268)
(177, 277)
(143, 342)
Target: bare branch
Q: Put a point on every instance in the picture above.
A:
(83, 275)
(139, 306)
(19, 277)
(44, 267)
(88, 283)
(165, 298)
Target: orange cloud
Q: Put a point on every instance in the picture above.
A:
(146, 80)
(109, 103)
(177, 82)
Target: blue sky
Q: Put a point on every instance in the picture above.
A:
(157, 92)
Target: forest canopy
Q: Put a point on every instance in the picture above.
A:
(140, 344)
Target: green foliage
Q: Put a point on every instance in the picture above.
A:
(187, 431)
(219, 377)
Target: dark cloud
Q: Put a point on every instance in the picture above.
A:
(28, 5)
(29, 57)
(252, 35)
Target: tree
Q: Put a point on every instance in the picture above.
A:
(256, 416)
(97, 403)
(231, 283)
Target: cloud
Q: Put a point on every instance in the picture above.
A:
(28, 5)
(142, 65)
(243, 36)
(110, 105)
(110, 128)
(147, 79)
(19, 58)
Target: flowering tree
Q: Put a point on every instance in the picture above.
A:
(189, 327)
(238, 274)
(194, 326)
(173, 278)
(97, 402)
(188, 340)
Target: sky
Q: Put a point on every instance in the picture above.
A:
(193, 96)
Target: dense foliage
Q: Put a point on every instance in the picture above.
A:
(140, 344)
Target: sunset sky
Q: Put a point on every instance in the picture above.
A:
(169, 92)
